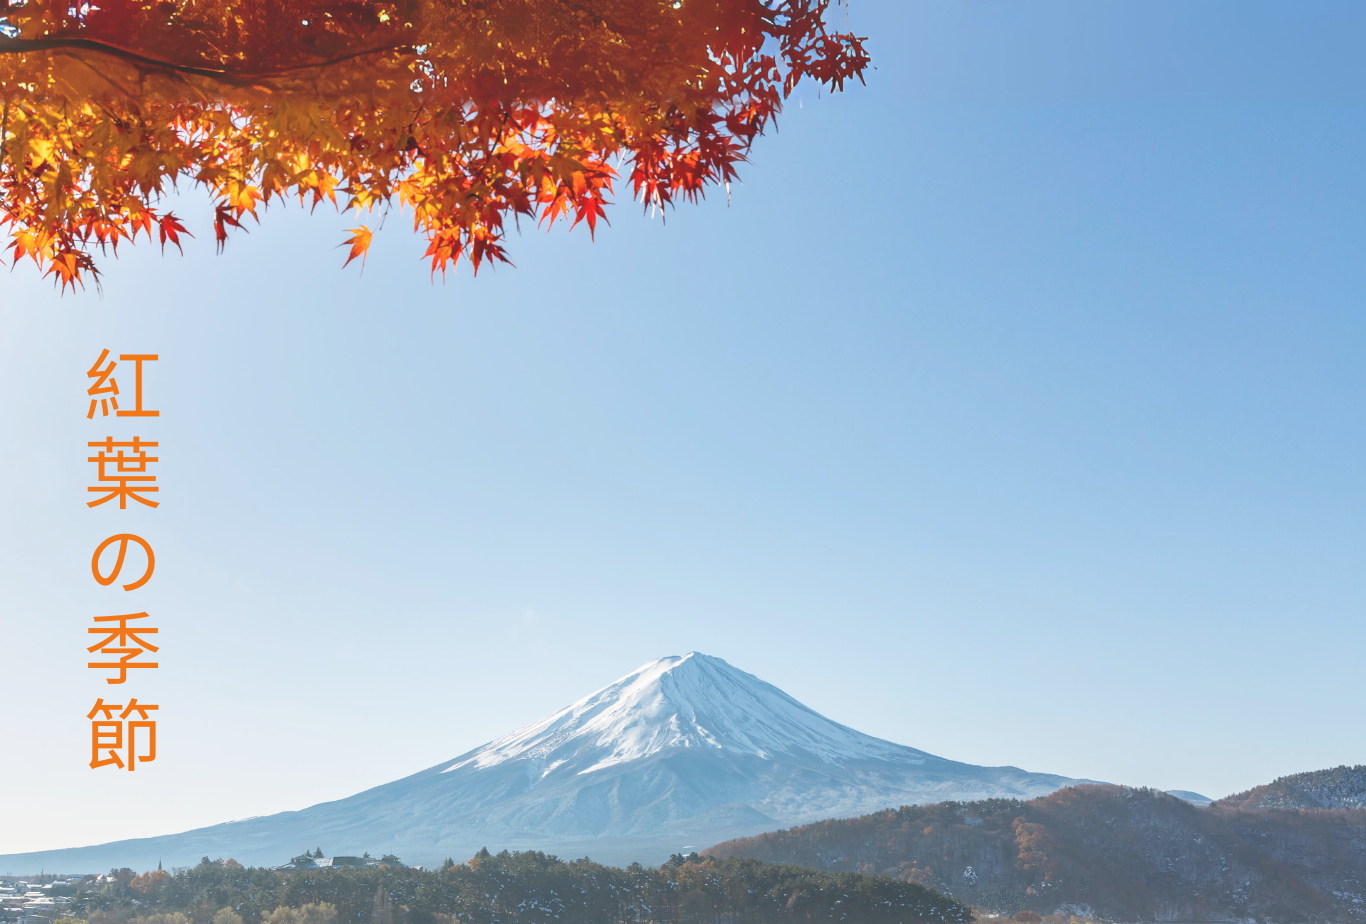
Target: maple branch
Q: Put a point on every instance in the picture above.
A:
(12, 46)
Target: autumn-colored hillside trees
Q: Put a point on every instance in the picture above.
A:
(519, 888)
(1125, 854)
(460, 112)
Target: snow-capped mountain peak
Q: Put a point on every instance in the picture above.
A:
(681, 751)
(693, 701)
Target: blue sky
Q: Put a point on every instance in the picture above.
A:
(1011, 410)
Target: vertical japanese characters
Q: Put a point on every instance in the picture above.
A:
(122, 735)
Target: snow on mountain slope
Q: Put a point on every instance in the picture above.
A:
(685, 751)
(695, 701)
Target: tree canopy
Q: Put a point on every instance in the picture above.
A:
(462, 113)
(530, 887)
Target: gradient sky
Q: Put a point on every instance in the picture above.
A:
(1012, 410)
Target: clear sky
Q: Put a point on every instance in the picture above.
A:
(1012, 410)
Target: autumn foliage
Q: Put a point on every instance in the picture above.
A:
(149, 882)
(527, 888)
(462, 113)
(1125, 854)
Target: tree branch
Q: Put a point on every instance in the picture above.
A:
(12, 46)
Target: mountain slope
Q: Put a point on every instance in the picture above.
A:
(1338, 788)
(683, 751)
(1104, 851)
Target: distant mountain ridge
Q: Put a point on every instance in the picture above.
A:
(1339, 788)
(1110, 852)
(682, 752)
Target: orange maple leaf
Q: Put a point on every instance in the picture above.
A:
(360, 245)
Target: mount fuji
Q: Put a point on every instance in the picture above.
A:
(681, 753)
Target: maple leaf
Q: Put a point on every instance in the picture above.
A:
(170, 229)
(360, 245)
(69, 266)
(222, 218)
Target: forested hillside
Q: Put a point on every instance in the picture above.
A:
(1339, 788)
(514, 888)
(1108, 851)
